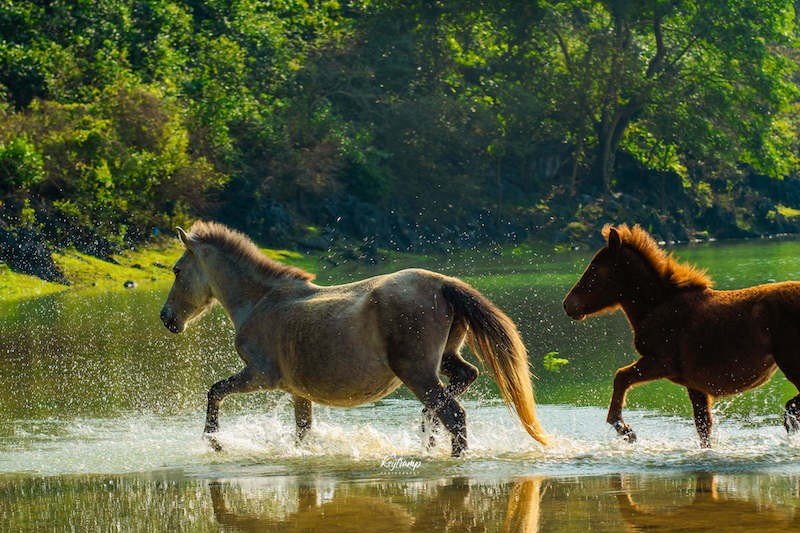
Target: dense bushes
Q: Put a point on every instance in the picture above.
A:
(398, 124)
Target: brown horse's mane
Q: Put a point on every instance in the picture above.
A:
(679, 275)
(241, 248)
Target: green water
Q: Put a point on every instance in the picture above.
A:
(102, 411)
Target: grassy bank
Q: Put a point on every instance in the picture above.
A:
(147, 266)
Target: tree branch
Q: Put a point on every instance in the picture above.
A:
(564, 49)
(661, 51)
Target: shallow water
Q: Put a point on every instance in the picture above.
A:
(365, 469)
(103, 411)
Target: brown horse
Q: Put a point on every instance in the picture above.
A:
(714, 343)
(349, 344)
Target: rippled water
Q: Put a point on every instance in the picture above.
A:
(103, 410)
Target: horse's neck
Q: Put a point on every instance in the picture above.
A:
(238, 290)
(645, 291)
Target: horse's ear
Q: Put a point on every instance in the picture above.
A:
(183, 237)
(614, 241)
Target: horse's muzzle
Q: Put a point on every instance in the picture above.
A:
(170, 320)
(573, 310)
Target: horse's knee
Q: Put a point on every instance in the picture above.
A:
(217, 392)
(303, 410)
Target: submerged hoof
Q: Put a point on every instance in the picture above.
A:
(791, 423)
(428, 426)
(625, 431)
(459, 446)
(629, 436)
(213, 442)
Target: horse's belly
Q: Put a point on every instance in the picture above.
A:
(724, 380)
(345, 387)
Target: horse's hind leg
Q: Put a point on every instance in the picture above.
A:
(302, 416)
(701, 404)
(790, 366)
(460, 374)
(449, 412)
(433, 395)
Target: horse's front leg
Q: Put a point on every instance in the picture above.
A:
(644, 370)
(701, 404)
(248, 380)
(303, 410)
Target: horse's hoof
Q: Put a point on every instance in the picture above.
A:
(213, 442)
(625, 431)
(458, 450)
(791, 423)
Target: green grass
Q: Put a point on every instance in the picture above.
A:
(147, 266)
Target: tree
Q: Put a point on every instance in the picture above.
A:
(698, 78)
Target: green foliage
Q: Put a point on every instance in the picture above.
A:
(120, 114)
(21, 165)
(553, 363)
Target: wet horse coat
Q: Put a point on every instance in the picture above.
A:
(714, 343)
(349, 344)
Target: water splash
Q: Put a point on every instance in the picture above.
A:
(357, 443)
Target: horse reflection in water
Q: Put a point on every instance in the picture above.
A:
(714, 343)
(707, 510)
(396, 507)
(349, 344)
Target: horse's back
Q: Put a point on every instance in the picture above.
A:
(768, 302)
(741, 332)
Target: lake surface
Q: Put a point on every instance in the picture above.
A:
(102, 414)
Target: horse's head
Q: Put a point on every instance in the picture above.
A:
(598, 288)
(190, 295)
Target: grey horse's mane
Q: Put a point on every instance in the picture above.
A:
(242, 249)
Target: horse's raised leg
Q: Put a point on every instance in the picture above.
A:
(460, 374)
(644, 370)
(248, 380)
(303, 410)
(701, 404)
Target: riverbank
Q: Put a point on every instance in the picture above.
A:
(141, 267)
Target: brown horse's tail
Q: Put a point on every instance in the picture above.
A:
(494, 338)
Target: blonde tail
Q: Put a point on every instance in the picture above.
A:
(494, 338)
